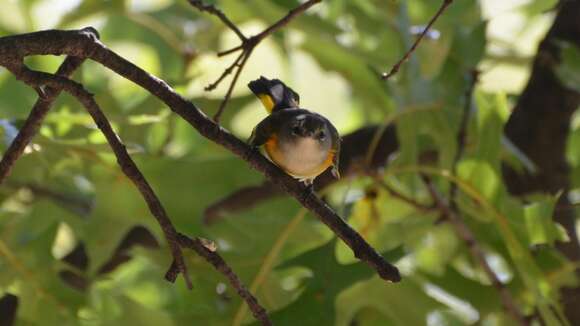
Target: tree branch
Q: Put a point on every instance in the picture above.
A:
(219, 264)
(450, 211)
(35, 118)
(254, 40)
(247, 45)
(128, 166)
(406, 56)
(476, 251)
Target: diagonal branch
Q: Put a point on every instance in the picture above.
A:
(128, 166)
(476, 251)
(35, 118)
(397, 66)
(247, 45)
(450, 213)
(84, 43)
(218, 263)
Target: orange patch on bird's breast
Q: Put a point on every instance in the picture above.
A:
(273, 150)
(328, 162)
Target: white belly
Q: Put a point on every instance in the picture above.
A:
(304, 158)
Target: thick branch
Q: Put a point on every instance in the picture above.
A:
(84, 43)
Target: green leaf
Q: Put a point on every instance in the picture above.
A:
(539, 222)
(316, 304)
(404, 303)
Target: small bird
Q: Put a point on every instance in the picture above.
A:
(302, 143)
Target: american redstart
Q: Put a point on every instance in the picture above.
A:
(302, 143)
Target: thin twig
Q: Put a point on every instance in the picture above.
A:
(220, 14)
(406, 56)
(35, 118)
(402, 197)
(84, 43)
(247, 45)
(476, 251)
(220, 110)
(254, 40)
(224, 74)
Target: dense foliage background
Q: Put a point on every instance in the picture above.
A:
(67, 195)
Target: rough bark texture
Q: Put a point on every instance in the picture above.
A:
(539, 126)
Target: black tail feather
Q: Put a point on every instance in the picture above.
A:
(275, 95)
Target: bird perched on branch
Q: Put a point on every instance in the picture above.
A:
(302, 143)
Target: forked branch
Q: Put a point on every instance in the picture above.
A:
(248, 44)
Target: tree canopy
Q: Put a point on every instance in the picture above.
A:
(460, 163)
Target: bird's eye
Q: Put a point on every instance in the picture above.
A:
(296, 130)
(321, 135)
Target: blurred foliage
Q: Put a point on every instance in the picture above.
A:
(67, 190)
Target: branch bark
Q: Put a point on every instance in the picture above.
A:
(84, 43)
